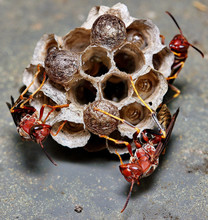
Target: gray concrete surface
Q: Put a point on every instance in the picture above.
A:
(32, 188)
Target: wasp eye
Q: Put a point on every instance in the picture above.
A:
(36, 128)
(33, 131)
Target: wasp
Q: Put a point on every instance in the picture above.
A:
(179, 46)
(29, 125)
(150, 144)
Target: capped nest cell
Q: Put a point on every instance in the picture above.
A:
(91, 67)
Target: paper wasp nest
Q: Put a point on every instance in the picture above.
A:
(90, 67)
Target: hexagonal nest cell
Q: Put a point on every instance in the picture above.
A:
(129, 59)
(90, 67)
(115, 88)
(82, 92)
(95, 61)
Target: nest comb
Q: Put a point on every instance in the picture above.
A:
(90, 67)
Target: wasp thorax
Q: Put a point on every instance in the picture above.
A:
(108, 31)
(99, 123)
(61, 65)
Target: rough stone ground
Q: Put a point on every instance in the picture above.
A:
(32, 188)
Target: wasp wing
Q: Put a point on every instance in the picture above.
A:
(18, 112)
(15, 116)
(164, 142)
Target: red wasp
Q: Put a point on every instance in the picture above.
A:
(29, 125)
(149, 145)
(146, 157)
(179, 45)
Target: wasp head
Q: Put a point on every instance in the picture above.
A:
(40, 132)
(131, 172)
(179, 44)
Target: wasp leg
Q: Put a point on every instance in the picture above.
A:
(31, 96)
(59, 128)
(21, 97)
(176, 68)
(176, 90)
(136, 140)
(119, 142)
(121, 161)
(162, 39)
(53, 108)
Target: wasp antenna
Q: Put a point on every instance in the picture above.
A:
(154, 116)
(175, 21)
(147, 106)
(197, 50)
(117, 118)
(129, 195)
(139, 97)
(52, 161)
